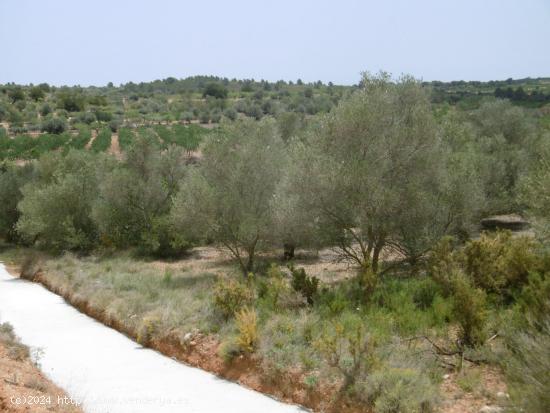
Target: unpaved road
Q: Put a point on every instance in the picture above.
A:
(108, 372)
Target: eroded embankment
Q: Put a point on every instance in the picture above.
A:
(201, 351)
(107, 371)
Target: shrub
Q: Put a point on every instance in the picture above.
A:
(442, 264)
(102, 142)
(54, 125)
(286, 342)
(103, 116)
(231, 296)
(161, 241)
(216, 90)
(498, 263)
(347, 348)
(469, 310)
(534, 301)
(147, 330)
(15, 350)
(275, 287)
(527, 365)
(229, 349)
(304, 284)
(400, 390)
(46, 109)
(31, 265)
(230, 113)
(425, 293)
(247, 327)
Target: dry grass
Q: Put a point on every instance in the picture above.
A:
(143, 296)
(14, 348)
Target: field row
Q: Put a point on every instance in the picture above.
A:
(31, 147)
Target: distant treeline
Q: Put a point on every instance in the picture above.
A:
(520, 95)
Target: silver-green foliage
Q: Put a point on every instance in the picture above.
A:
(228, 198)
(56, 206)
(372, 174)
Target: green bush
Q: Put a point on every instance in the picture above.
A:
(81, 140)
(102, 142)
(274, 288)
(499, 263)
(216, 90)
(56, 207)
(527, 365)
(54, 125)
(424, 293)
(304, 284)
(534, 299)
(442, 264)
(161, 241)
(400, 390)
(125, 138)
(231, 296)
(347, 348)
(469, 310)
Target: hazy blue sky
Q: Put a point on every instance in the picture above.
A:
(97, 41)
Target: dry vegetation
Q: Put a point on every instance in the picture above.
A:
(21, 378)
(277, 343)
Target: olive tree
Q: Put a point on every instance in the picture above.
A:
(373, 173)
(228, 198)
(12, 179)
(504, 141)
(135, 199)
(535, 192)
(56, 206)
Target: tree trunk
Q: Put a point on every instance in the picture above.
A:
(376, 255)
(250, 260)
(288, 251)
(249, 264)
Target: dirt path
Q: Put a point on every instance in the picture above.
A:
(92, 139)
(114, 149)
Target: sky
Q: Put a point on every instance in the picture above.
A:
(93, 42)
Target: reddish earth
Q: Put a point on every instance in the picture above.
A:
(115, 146)
(24, 388)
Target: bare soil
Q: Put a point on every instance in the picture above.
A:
(23, 385)
(114, 149)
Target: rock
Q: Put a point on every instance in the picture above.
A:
(502, 395)
(446, 376)
(512, 222)
(490, 409)
(193, 343)
(187, 337)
